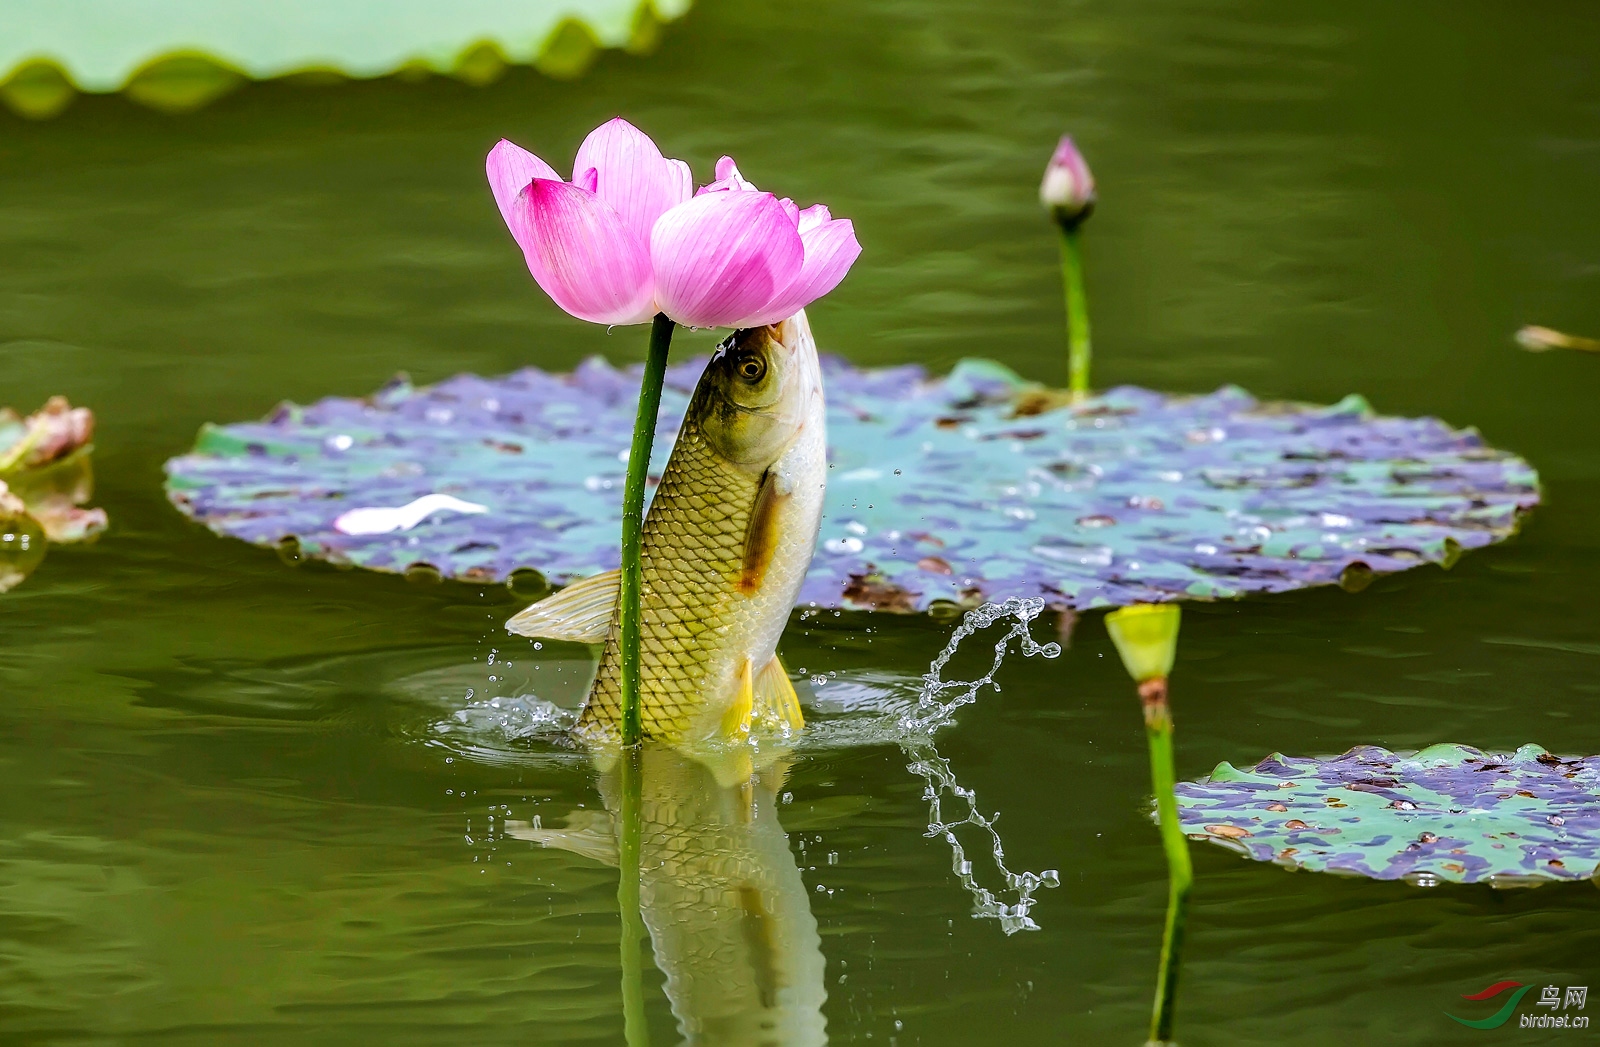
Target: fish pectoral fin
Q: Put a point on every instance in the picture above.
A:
(761, 533)
(736, 721)
(591, 834)
(775, 695)
(580, 613)
(760, 933)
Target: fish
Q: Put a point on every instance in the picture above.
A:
(720, 893)
(726, 543)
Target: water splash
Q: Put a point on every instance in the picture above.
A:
(512, 724)
(518, 718)
(935, 771)
(935, 710)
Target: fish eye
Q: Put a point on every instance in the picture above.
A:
(751, 368)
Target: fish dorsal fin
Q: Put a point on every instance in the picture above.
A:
(775, 696)
(761, 535)
(591, 834)
(581, 612)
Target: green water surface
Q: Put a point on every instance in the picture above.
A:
(228, 815)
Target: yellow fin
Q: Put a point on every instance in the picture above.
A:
(736, 721)
(729, 765)
(759, 931)
(775, 696)
(761, 534)
(581, 612)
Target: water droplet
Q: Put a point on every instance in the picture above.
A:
(423, 574)
(1356, 576)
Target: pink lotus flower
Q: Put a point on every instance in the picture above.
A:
(625, 239)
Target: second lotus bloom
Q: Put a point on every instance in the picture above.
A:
(627, 237)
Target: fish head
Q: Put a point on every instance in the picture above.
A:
(761, 388)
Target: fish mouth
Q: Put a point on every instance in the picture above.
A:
(793, 337)
(754, 426)
(794, 334)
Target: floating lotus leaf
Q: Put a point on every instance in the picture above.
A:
(1449, 812)
(177, 54)
(976, 486)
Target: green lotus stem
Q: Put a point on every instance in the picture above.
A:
(644, 434)
(1146, 638)
(1180, 874)
(1078, 353)
(634, 1030)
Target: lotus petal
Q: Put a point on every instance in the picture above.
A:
(510, 169)
(721, 258)
(831, 249)
(633, 178)
(728, 178)
(583, 255)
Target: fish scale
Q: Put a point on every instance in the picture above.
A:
(731, 928)
(730, 925)
(682, 597)
(698, 627)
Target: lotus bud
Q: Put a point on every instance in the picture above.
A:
(1146, 637)
(1067, 191)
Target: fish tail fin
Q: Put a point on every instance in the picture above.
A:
(736, 721)
(775, 695)
(580, 613)
(731, 766)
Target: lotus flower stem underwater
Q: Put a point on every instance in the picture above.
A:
(628, 241)
(635, 1032)
(1067, 192)
(1146, 636)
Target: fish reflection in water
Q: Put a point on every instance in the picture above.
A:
(727, 911)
